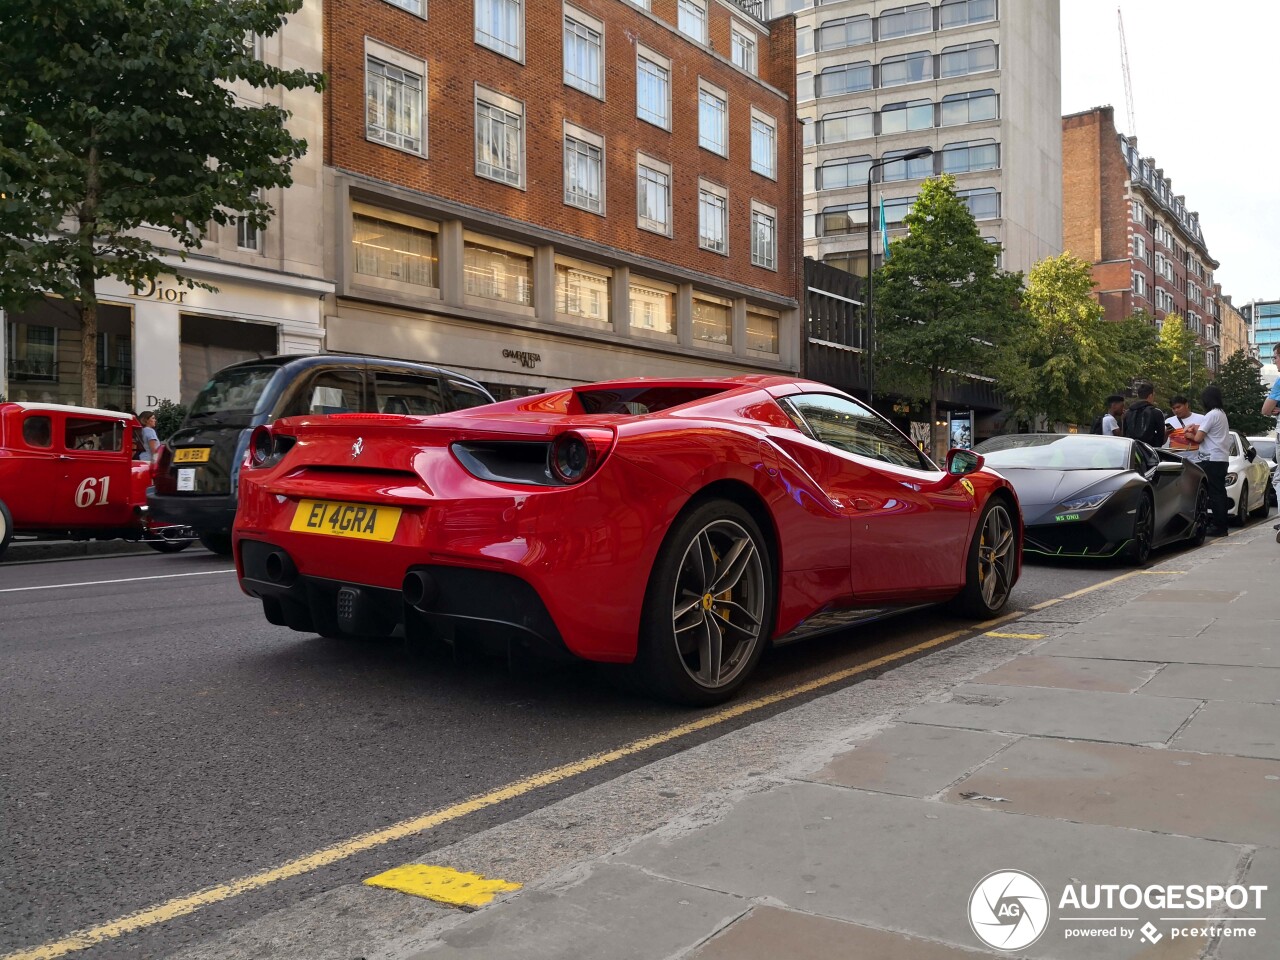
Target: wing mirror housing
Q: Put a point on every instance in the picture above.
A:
(962, 462)
(1251, 454)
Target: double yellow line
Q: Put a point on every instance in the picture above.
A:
(182, 906)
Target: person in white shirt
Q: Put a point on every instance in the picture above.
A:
(1175, 427)
(1111, 419)
(1213, 436)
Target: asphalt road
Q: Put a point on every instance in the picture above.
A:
(160, 737)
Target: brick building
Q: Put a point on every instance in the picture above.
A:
(541, 193)
(1233, 328)
(1120, 214)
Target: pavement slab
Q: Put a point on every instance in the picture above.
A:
(1264, 868)
(612, 911)
(1242, 729)
(769, 933)
(1072, 673)
(913, 760)
(1231, 643)
(1045, 712)
(1190, 794)
(1143, 620)
(908, 865)
(1212, 682)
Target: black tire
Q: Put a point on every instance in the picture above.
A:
(686, 625)
(1144, 528)
(6, 528)
(168, 546)
(1242, 508)
(1271, 496)
(217, 542)
(1200, 524)
(1265, 506)
(989, 569)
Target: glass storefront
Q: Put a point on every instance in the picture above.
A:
(43, 348)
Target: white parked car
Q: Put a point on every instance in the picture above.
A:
(1266, 447)
(1249, 492)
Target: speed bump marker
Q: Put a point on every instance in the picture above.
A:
(443, 885)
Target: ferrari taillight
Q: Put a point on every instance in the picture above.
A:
(577, 454)
(260, 445)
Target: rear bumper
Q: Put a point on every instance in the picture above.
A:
(214, 514)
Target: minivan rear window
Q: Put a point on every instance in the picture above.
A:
(234, 391)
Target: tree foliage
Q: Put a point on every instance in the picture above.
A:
(120, 114)
(1179, 367)
(941, 306)
(1067, 357)
(1243, 394)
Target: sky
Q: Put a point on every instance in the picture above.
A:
(1206, 102)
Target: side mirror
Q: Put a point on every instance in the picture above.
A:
(1251, 454)
(962, 462)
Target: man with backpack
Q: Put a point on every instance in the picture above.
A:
(1108, 424)
(1144, 420)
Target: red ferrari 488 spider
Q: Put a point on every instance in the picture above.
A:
(679, 526)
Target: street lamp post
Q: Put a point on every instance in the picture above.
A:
(871, 320)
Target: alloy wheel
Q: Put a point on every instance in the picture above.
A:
(996, 557)
(718, 608)
(1143, 532)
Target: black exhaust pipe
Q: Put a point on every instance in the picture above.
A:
(419, 589)
(279, 567)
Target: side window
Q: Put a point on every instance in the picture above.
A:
(849, 426)
(466, 395)
(83, 433)
(408, 394)
(37, 431)
(331, 391)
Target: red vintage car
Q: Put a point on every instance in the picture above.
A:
(678, 526)
(71, 473)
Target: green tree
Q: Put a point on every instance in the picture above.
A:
(941, 306)
(1243, 393)
(1180, 368)
(1132, 346)
(120, 114)
(1065, 352)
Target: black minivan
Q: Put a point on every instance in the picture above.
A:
(196, 476)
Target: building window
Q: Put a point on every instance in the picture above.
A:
(394, 104)
(583, 169)
(958, 13)
(848, 125)
(1136, 213)
(906, 68)
(842, 173)
(653, 194)
(248, 237)
(842, 220)
(692, 20)
(764, 145)
(394, 250)
(983, 203)
(971, 156)
(846, 32)
(896, 209)
(1139, 284)
(743, 49)
(646, 4)
(582, 294)
(33, 353)
(969, 107)
(804, 41)
(764, 236)
(904, 21)
(584, 53)
(498, 271)
(847, 78)
(653, 89)
(418, 7)
(762, 330)
(908, 115)
(499, 26)
(804, 85)
(712, 319)
(499, 137)
(967, 58)
(713, 217)
(1140, 249)
(652, 307)
(713, 119)
(916, 169)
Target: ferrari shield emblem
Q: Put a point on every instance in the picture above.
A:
(968, 486)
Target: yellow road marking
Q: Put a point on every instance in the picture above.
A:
(442, 884)
(182, 906)
(1015, 636)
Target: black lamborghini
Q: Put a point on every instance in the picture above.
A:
(1084, 495)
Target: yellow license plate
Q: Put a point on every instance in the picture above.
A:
(191, 455)
(360, 521)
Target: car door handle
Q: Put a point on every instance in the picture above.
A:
(860, 503)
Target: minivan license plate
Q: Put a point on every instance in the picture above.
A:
(191, 455)
(359, 521)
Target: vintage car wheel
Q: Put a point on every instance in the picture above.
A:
(991, 564)
(1242, 508)
(168, 546)
(6, 528)
(1144, 528)
(1200, 525)
(709, 607)
(216, 542)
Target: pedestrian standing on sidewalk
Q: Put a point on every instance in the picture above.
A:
(1215, 449)
(1271, 408)
(150, 442)
(1175, 427)
(1108, 424)
(1144, 420)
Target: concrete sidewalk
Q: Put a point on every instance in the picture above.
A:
(1133, 743)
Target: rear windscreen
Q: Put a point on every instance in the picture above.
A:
(641, 400)
(234, 391)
